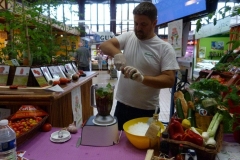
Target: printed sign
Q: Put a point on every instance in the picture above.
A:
(69, 68)
(77, 106)
(21, 76)
(46, 73)
(175, 29)
(56, 72)
(39, 77)
(4, 71)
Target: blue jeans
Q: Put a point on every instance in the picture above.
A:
(100, 65)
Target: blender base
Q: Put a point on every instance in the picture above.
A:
(99, 135)
(100, 124)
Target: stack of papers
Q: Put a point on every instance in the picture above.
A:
(55, 88)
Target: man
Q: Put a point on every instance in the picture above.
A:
(99, 58)
(83, 57)
(148, 64)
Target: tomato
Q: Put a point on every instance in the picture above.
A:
(63, 80)
(13, 87)
(46, 127)
(38, 119)
(56, 82)
(80, 71)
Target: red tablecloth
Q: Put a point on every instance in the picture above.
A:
(41, 148)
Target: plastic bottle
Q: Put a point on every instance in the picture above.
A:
(155, 141)
(180, 155)
(191, 155)
(7, 141)
(164, 145)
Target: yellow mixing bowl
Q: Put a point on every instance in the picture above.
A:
(140, 142)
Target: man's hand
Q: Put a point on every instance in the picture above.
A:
(119, 61)
(133, 73)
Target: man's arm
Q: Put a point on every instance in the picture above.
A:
(110, 47)
(165, 80)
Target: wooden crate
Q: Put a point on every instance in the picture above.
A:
(31, 133)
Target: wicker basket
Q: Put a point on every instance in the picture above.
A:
(203, 153)
(31, 133)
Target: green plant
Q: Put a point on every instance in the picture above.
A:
(219, 98)
(31, 34)
(213, 16)
(223, 12)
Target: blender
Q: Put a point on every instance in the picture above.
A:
(102, 129)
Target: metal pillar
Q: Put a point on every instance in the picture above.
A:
(172, 98)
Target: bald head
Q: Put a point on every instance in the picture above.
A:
(80, 44)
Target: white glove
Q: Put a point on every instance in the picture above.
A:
(119, 61)
(133, 73)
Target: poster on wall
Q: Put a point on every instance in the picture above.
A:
(217, 45)
(175, 36)
(77, 106)
(202, 52)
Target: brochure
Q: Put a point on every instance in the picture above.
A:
(55, 88)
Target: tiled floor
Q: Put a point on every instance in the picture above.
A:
(165, 95)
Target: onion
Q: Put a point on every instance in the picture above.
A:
(72, 128)
(211, 141)
(205, 136)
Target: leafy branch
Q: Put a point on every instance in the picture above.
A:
(213, 16)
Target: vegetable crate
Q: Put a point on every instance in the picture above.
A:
(30, 133)
(203, 153)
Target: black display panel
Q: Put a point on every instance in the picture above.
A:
(170, 10)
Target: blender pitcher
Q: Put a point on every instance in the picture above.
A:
(102, 99)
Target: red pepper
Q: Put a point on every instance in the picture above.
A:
(230, 103)
(192, 137)
(175, 130)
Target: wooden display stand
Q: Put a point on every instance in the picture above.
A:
(58, 105)
(230, 79)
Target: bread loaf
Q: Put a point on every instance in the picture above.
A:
(180, 95)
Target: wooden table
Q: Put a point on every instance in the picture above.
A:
(57, 104)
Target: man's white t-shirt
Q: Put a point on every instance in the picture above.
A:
(150, 57)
